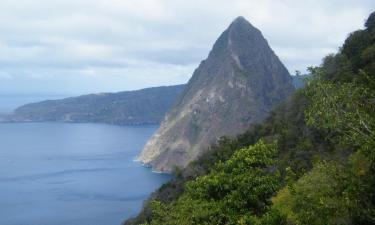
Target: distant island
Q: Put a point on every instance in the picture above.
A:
(145, 106)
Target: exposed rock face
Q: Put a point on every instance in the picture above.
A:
(237, 85)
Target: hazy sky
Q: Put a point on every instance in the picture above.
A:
(83, 46)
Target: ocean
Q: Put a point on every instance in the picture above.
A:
(76, 174)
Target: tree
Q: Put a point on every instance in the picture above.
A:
(237, 191)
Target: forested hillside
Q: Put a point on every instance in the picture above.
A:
(312, 162)
(146, 106)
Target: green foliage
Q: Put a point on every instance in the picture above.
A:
(342, 102)
(331, 193)
(321, 172)
(298, 146)
(360, 188)
(335, 68)
(346, 108)
(370, 23)
(317, 198)
(235, 192)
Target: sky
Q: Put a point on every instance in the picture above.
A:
(76, 47)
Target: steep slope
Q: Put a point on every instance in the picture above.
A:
(237, 85)
(325, 163)
(146, 106)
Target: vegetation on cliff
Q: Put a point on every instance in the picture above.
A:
(312, 162)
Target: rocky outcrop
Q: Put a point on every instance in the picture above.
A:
(237, 85)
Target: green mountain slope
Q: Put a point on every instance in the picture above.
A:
(312, 162)
(146, 106)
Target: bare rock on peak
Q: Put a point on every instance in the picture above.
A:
(237, 85)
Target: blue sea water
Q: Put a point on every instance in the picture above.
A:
(76, 174)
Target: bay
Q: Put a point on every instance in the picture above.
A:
(59, 173)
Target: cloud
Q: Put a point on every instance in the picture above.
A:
(6, 76)
(80, 46)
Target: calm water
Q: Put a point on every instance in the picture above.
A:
(55, 173)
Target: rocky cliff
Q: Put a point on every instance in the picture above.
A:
(237, 85)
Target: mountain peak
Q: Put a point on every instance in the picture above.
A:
(239, 19)
(241, 23)
(237, 85)
(238, 37)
